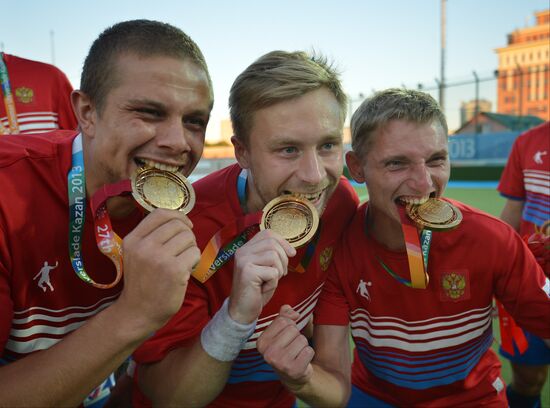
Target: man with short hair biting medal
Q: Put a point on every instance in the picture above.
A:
(145, 99)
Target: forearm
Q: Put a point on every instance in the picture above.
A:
(66, 373)
(185, 377)
(511, 213)
(324, 389)
(195, 375)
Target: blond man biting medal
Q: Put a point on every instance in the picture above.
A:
(288, 111)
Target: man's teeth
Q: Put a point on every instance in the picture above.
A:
(312, 196)
(413, 200)
(161, 166)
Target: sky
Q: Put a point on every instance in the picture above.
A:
(374, 44)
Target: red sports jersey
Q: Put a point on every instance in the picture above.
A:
(42, 96)
(526, 177)
(252, 382)
(431, 347)
(41, 298)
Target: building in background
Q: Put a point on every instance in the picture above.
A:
(469, 109)
(524, 70)
(487, 122)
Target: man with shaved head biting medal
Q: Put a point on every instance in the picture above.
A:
(414, 277)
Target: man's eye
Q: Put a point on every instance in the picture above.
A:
(394, 164)
(437, 161)
(199, 122)
(328, 146)
(289, 150)
(149, 112)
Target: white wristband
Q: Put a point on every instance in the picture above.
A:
(223, 338)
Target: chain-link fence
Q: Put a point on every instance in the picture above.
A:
(462, 97)
(459, 96)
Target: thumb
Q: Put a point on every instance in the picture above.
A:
(289, 312)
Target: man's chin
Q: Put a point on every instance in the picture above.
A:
(322, 204)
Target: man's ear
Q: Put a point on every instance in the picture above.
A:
(241, 152)
(355, 167)
(85, 112)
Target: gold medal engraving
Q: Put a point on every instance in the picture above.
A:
(153, 188)
(294, 218)
(435, 214)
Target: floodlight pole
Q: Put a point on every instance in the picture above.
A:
(443, 41)
(476, 111)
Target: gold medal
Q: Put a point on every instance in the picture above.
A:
(435, 214)
(153, 188)
(294, 218)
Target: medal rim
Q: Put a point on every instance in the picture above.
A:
(144, 173)
(453, 222)
(304, 203)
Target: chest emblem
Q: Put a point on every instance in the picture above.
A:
(44, 275)
(454, 285)
(325, 258)
(537, 157)
(363, 290)
(24, 95)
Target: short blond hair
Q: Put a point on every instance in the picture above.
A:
(279, 76)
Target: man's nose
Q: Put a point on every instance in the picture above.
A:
(421, 178)
(311, 169)
(175, 136)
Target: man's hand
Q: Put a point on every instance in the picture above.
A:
(539, 244)
(158, 256)
(259, 264)
(286, 349)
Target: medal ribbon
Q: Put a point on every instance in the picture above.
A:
(223, 245)
(417, 269)
(241, 188)
(108, 242)
(510, 332)
(9, 103)
(417, 254)
(213, 256)
(310, 250)
(425, 238)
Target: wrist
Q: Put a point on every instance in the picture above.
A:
(295, 386)
(236, 315)
(298, 384)
(131, 325)
(223, 338)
